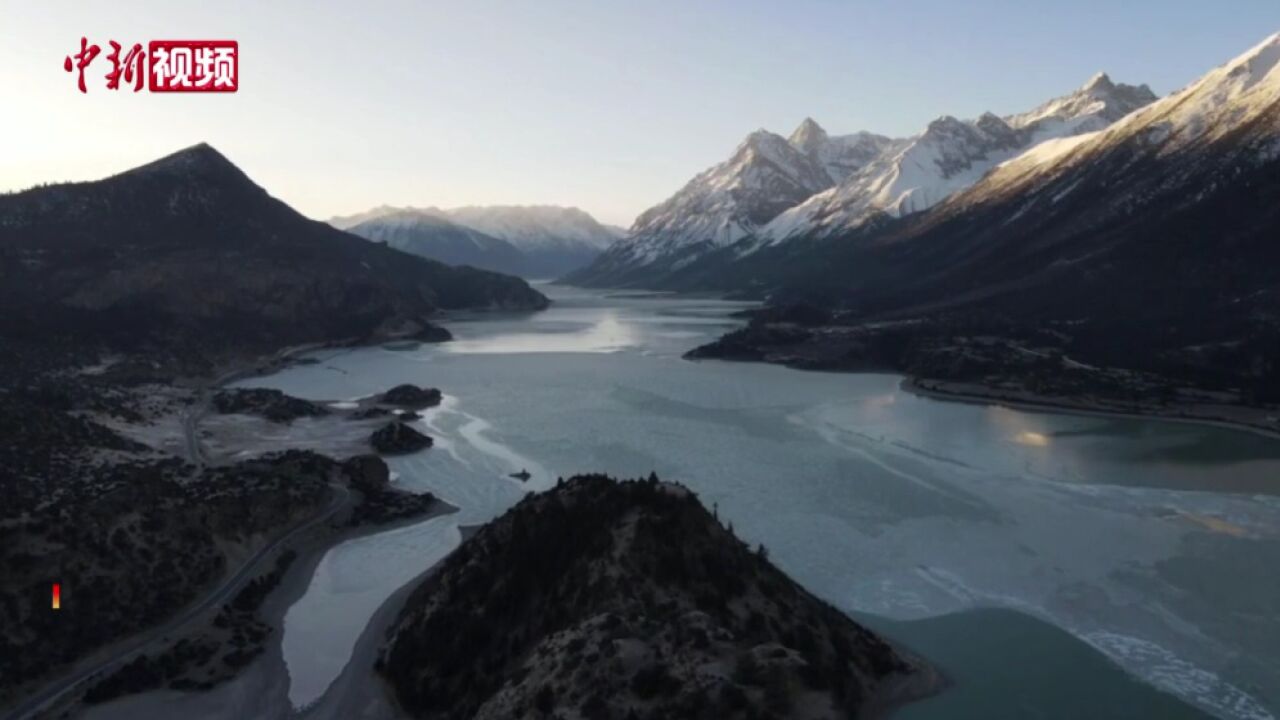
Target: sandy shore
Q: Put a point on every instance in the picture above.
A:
(1259, 421)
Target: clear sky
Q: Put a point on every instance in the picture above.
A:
(607, 105)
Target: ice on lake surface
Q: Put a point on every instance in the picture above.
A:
(1153, 543)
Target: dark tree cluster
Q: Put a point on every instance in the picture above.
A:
(1124, 361)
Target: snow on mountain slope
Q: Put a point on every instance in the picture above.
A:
(346, 222)
(537, 226)
(952, 155)
(765, 175)
(1097, 104)
(428, 233)
(840, 156)
(1240, 100)
(552, 240)
(1166, 218)
(555, 240)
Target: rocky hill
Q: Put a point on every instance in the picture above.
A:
(604, 599)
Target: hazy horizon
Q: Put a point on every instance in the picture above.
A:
(607, 108)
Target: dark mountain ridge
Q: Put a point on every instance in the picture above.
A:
(187, 252)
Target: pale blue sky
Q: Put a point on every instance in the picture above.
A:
(606, 105)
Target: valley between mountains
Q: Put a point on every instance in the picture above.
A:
(1106, 251)
(367, 468)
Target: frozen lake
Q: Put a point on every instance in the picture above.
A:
(1142, 545)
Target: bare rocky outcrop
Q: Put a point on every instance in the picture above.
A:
(412, 397)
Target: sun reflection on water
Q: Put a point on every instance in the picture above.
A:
(608, 334)
(1031, 438)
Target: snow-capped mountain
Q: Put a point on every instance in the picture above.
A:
(814, 185)
(428, 233)
(554, 239)
(951, 155)
(1155, 234)
(840, 156)
(344, 222)
(765, 175)
(1098, 103)
(1234, 110)
(532, 241)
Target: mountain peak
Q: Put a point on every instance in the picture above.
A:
(199, 159)
(763, 143)
(1269, 43)
(808, 136)
(1260, 60)
(945, 124)
(996, 128)
(1099, 81)
(1098, 102)
(990, 118)
(201, 152)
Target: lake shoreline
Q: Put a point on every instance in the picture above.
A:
(359, 691)
(261, 689)
(973, 394)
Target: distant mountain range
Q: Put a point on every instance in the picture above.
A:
(431, 235)
(951, 155)
(811, 185)
(537, 241)
(187, 252)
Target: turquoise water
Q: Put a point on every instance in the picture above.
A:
(1097, 552)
